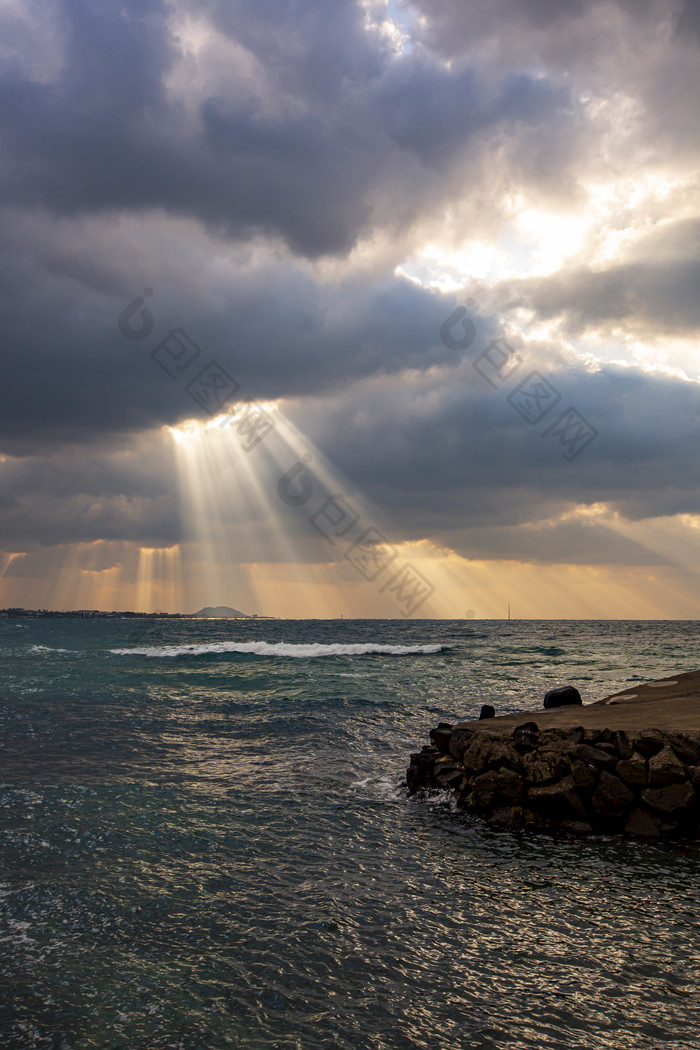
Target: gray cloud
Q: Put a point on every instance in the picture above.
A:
(350, 138)
(438, 451)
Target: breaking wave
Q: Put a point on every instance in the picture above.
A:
(281, 649)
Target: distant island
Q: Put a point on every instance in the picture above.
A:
(221, 611)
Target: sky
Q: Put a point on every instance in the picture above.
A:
(351, 307)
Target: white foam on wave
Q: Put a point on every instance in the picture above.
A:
(46, 649)
(378, 789)
(287, 649)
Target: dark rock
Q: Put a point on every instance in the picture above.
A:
(578, 734)
(557, 736)
(677, 801)
(507, 817)
(694, 778)
(594, 756)
(645, 825)
(416, 777)
(610, 799)
(546, 764)
(562, 697)
(687, 750)
(584, 774)
(487, 712)
(441, 738)
(461, 739)
(487, 752)
(558, 801)
(604, 736)
(623, 748)
(577, 827)
(648, 743)
(633, 771)
(495, 789)
(535, 821)
(448, 775)
(665, 769)
(441, 725)
(419, 774)
(526, 737)
(608, 749)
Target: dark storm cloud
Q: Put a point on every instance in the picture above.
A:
(349, 138)
(70, 375)
(443, 451)
(120, 491)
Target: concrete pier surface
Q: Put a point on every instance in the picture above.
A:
(667, 704)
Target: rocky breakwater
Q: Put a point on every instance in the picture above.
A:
(583, 779)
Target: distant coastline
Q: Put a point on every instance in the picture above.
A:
(84, 614)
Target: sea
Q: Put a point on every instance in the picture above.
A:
(206, 842)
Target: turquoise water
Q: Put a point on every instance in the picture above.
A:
(205, 843)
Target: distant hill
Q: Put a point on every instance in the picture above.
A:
(218, 610)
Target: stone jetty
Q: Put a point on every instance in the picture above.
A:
(628, 764)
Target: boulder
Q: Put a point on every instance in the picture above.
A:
(495, 789)
(607, 748)
(507, 817)
(610, 799)
(559, 801)
(562, 697)
(577, 827)
(487, 711)
(461, 738)
(441, 737)
(633, 771)
(487, 752)
(687, 750)
(448, 775)
(677, 801)
(547, 764)
(665, 768)
(595, 757)
(584, 774)
(623, 748)
(535, 821)
(649, 742)
(417, 774)
(526, 737)
(645, 825)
